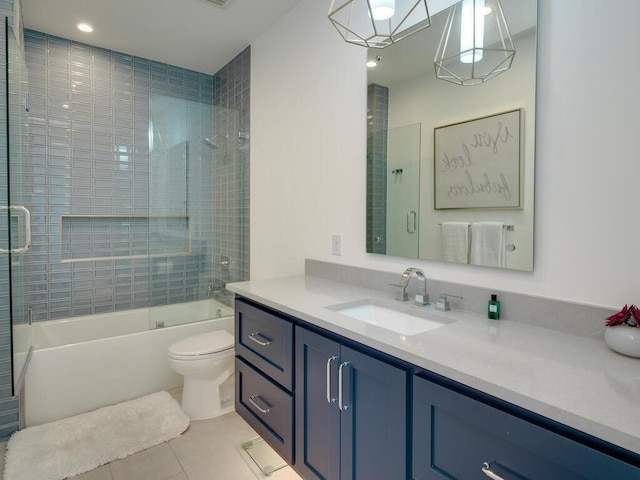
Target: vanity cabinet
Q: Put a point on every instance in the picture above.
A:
(351, 412)
(335, 409)
(264, 374)
(459, 437)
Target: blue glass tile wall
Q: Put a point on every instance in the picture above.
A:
(377, 119)
(231, 97)
(88, 153)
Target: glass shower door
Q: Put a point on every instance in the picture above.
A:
(15, 214)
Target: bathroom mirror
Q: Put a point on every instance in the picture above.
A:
(404, 95)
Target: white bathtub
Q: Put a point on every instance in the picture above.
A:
(84, 363)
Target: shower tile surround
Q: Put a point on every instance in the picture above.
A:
(377, 124)
(89, 160)
(231, 96)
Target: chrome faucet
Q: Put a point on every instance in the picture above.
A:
(420, 298)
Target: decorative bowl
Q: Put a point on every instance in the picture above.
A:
(623, 339)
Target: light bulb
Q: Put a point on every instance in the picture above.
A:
(472, 21)
(382, 9)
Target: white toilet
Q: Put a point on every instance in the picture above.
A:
(205, 361)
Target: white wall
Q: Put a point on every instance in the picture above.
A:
(308, 149)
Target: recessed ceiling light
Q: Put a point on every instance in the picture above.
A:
(85, 27)
(374, 61)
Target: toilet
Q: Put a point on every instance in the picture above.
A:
(206, 362)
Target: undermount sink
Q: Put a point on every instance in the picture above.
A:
(402, 318)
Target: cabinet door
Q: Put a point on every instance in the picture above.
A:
(374, 418)
(456, 436)
(317, 420)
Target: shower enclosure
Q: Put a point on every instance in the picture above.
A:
(124, 186)
(15, 224)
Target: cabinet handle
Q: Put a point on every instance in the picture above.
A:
(253, 400)
(341, 404)
(486, 469)
(330, 399)
(260, 339)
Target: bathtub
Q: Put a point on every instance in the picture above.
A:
(83, 363)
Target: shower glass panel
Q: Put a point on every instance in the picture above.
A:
(15, 206)
(403, 202)
(5, 287)
(183, 151)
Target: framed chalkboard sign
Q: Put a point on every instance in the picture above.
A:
(477, 163)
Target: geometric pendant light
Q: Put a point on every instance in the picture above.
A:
(475, 45)
(378, 23)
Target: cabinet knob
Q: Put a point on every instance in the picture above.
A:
(486, 469)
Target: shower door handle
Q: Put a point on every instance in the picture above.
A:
(27, 230)
(412, 217)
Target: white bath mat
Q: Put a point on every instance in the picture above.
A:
(75, 445)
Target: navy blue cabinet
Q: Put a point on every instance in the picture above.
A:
(351, 412)
(458, 437)
(264, 375)
(265, 339)
(337, 410)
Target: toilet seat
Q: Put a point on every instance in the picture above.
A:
(205, 345)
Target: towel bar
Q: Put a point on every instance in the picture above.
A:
(509, 228)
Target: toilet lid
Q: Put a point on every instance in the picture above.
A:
(210, 342)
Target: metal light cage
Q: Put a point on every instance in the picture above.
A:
(486, 53)
(355, 21)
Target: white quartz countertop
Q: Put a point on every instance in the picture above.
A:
(574, 380)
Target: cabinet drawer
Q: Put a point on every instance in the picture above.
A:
(266, 407)
(266, 341)
(454, 435)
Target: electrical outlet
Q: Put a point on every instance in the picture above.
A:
(336, 244)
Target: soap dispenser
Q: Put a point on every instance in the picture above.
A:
(493, 308)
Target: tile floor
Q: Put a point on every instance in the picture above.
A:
(208, 450)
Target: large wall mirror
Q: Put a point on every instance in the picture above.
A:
(425, 197)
